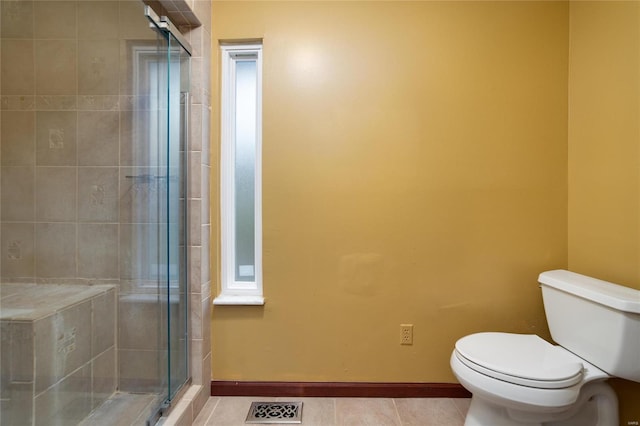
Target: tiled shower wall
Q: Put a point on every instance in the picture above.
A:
(199, 203)
(67, 102)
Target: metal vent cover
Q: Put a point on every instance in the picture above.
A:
(275, 412)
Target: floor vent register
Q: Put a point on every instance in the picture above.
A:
(275, 412)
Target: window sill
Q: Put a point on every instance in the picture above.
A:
(240, 300)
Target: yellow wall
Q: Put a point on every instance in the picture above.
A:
(604, 151)
(415, 171)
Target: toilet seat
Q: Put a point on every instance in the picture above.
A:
(521, 359)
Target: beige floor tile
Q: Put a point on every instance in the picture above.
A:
(366, 412)
(315, 411)
(462, 404)
(232, 411)
(428, 412)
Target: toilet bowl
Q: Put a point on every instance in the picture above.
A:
(521, 379)
(524, 380)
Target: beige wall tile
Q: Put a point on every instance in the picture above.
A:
(19, 411)
(18, 192)
(98, 133)
(206, 324)
(56, 102)
(17, 102)
(56, 139)
(98, 65)
(139, 371)
(197, 86)
(194, 268)
(97, 251)
(17, 76)
(105, 379)
(195, 223)
(68, 401)
(206, 252)
(206, 49)
(104, 322)
(196, 319)
(55, 250)
(206, 289)
(133, 24)
(206, 205)
(139, 323)
(56, 67)
(206, 369)
(18, 253)
(20, 348)
(196, 367)
(17, 133)
(55, 19)
(195, 169)
(206, 82)
(6, 339)
(97, 20)
(16, 19)
(56, 194)
(138, 251)
(134, 131)
(194, 37)
(195, 128)
(206, 133)
(99, 103)
(203, 11)
(98, 194)
(62, 344)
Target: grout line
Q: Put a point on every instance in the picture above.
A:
(335, 412)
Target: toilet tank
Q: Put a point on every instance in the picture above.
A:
(597, 320)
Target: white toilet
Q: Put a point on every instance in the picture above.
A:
(520, 379)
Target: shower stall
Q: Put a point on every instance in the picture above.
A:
(94, 101)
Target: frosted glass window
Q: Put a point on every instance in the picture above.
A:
(240, 175)
(245, 164)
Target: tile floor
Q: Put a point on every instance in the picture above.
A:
(232, 411)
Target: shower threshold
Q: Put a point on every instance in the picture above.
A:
(123, 408)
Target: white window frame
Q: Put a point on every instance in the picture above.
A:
(238, 292)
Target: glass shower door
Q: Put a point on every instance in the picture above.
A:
(167, 113)
(176, 196)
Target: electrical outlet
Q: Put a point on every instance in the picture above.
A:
(406, 334)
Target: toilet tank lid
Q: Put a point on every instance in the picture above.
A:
(603, 292)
